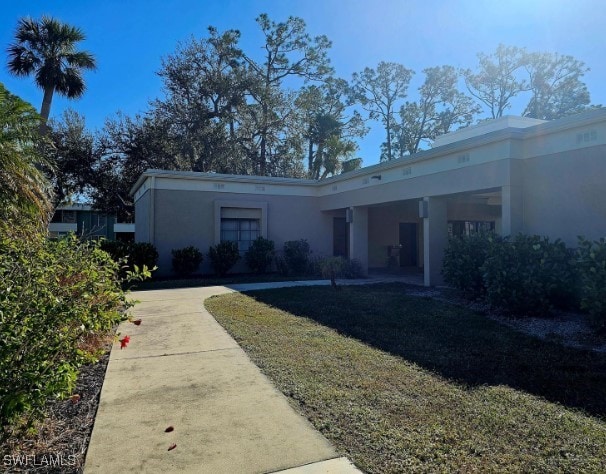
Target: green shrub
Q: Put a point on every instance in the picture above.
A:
(223, 257)
(296, 255)
(56, 298)
(314, 266)
(352, 269)
(142, 254)
(131, 253)
(463, 260)
(332, 268)
(281, 265)
(186, 260)
(591, 264)
(528, 275)
(260, 255)
(339, 267)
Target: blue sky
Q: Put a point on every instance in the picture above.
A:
(129, 38)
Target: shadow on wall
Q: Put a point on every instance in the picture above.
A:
(454, 343)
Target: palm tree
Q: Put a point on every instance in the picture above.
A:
(24, 190)
(46, 48)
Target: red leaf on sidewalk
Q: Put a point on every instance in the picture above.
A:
(169, 429)
(137, 322)
(124, 342)
(172, 446)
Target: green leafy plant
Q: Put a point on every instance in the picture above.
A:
(56, 299)
(131, 254)
(463, 260)
(529, 275)
(296, 255)
(260, 255)
(352, 268)
(331, 268)
(281, 265)
(591, 264)
(186, 260)
(223, 257)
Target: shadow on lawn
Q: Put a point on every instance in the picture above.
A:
(453, 342)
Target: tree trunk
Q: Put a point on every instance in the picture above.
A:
(388, 127)
(45, 110)
(310, 157)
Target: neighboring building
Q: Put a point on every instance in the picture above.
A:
(510, 174)
(84, 221)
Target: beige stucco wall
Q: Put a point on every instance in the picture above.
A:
(184, 218)
(471, 178)
(565, 194)
(142, 213)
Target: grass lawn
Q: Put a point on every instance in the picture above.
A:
(402, 383)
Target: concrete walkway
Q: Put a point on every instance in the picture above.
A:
(182, 369)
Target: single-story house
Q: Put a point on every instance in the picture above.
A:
(510, 174)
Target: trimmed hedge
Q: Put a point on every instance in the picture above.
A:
(131, 253)
(260, 255)
(223, 257)
(296, 256)
(463, 261)
(529, 275)
(591, 259)
(186, 260)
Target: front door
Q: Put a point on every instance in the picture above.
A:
(339, 233)
(408, 241)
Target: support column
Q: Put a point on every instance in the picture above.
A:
(512, 210)
(358, 235)
(433, 210)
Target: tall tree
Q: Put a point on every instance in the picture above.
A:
(288, 52)
(556, 85)
(73, 154)
(499, 78)
(123, 150)
(439, 108)
(204, 85)
(24, 190)
(325, 111)
(379, 92)
(47, 49)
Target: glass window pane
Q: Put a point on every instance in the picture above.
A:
(69, 217)
(245, 235)
(230, 235)
(254, 224)
(229, 224)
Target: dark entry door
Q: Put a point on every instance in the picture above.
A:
(408, 241)
(339, 233)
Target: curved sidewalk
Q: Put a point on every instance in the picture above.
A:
(182, 369)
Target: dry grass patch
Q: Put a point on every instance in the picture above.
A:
(403, 383)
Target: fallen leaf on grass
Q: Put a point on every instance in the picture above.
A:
(169, 429)
(172, 446)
